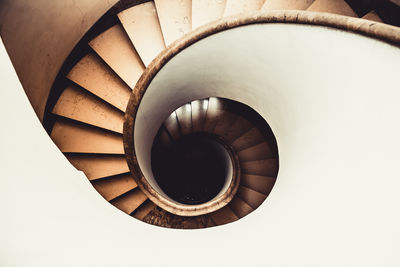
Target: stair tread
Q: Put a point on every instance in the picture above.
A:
(372, 16)
(175, 18)
(238, 128)
(339, 7)
(251, 197)
(287, 4)
(262, 184)
(184, 116)
(240, 207)
(199, 111)
(265, 167)
(74, 137)
(233, 7)
(116, 49)
(99, 166)
(256, 152)
(95, 76)
(225, 124)
(143, 28)
(172, 126)
(80, 105)
(113, 187)
(213, 115)
(144, 209)
(129, 201)
(223, 216)
(206, 11)
(163, 138)
(248, 139)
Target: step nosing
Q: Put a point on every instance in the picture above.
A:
(252, 189)
(111, 176)
(87, 123)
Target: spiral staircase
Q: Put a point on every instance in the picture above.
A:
(98, 102)
(88, 125)
(90, 110)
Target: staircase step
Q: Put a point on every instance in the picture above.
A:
(144, 209)
(95, 76)
(184, 116)
(199, 112)
(116, 49)
(239, 207)
(214, 113)
(339, 7)
(172, 126)
(372, 16)
(175, 18)
(262, 184)
(163, 139)
(251, 197)
(223, 216)
(210, 221)
(129, 201)
(78, 104)
(224, 125)
(206, 11)
(239, 127)
(79, 138)
(143, 28)
(99, 166)
(256, 152)
(265, 167)
(248, 139)
(287, 4)
(233, 7)
(113, 187)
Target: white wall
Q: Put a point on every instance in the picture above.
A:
(335, 202)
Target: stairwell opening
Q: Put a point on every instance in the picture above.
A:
(193, 170)
(201, 151)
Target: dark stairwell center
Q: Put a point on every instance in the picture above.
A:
(192, 159)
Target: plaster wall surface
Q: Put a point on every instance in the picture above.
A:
(40, 34)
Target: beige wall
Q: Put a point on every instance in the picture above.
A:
(39, 35)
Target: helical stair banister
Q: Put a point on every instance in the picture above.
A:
(237, 129)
